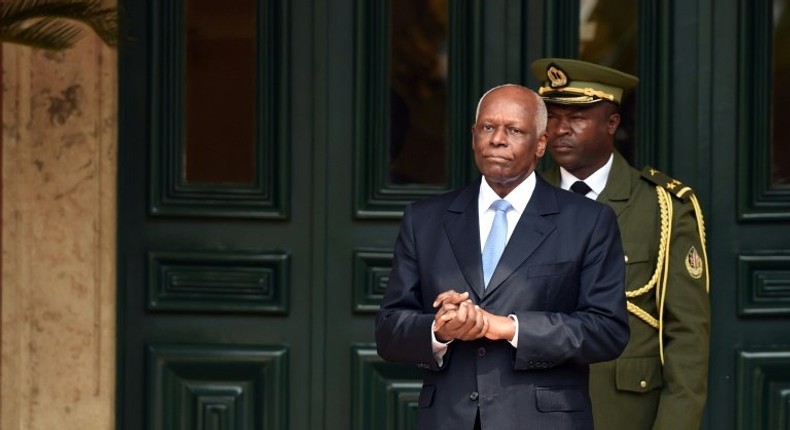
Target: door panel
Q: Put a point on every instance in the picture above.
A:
(760, 255)
(212, 153)
(366, 201)
(214, 291)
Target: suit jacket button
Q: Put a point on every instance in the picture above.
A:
(481, 352)
(474, 395)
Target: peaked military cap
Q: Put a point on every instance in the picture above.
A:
(575, 82)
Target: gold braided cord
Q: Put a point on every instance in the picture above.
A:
(662, 261)
(642, 314)
(589, 92)
(662, 246)
(684, 190)
(663, 291)
(701, 229)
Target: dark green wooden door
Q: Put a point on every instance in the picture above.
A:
(267, 148)
(750, 214)
(219, 258)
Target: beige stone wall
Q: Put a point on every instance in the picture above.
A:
(58, 237)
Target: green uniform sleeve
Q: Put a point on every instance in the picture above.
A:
(685, 321)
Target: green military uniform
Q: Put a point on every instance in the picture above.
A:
(636, 391)
(660, 380)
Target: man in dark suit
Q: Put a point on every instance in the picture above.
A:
(511, 352)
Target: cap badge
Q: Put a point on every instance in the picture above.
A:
(694, 263)
(557, 77)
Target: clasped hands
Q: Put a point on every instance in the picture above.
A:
(457, 317)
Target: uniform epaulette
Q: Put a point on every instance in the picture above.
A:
(672, 185)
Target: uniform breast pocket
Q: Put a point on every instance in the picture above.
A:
(639, 375)
(637, 264)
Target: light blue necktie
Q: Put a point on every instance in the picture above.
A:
(497, 238)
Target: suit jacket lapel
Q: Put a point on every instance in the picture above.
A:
(463, 231)
(532, 229)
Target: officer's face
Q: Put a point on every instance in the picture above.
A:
(581, 138)
(504, 140)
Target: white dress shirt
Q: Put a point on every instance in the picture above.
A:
(596, 181)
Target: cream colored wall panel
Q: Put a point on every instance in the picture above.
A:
(58, 237)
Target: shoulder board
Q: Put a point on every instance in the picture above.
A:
(672, 185)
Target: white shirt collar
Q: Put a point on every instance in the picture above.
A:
(518, 198)
(596, 181)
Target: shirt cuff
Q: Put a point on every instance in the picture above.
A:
(439, 348)
(514, 341)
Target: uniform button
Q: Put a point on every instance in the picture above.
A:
(626, 259)
(643, 383)
(481, 352)
(474, 395)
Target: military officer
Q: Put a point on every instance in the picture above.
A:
(660, 380)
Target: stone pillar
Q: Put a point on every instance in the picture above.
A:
(59, 191)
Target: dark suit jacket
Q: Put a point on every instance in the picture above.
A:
(561, 274)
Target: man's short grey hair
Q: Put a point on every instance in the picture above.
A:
(541, 114)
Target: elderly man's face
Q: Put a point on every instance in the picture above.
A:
(504, 139)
